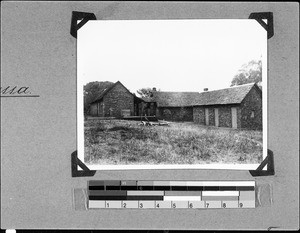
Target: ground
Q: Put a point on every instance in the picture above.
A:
(120, 142)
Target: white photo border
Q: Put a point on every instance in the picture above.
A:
(80, 125)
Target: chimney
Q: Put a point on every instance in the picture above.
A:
(205, 89)
(154, 89)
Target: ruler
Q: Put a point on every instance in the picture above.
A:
(133, 194)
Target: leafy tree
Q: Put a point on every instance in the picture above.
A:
(145, 92)
(248, 73)
(91, 91)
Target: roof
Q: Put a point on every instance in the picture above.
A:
(105, 91)
(174, 99)
(232, 95)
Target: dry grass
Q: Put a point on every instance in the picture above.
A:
(125, 142)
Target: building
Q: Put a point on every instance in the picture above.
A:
(235, 107)
(172, 106)
(115, 101)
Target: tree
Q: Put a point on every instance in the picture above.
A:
(248, 73)
(91, 91)
(145, 92)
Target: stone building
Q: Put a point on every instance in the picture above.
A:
(173, 106)
(115, 101)
(235, 107)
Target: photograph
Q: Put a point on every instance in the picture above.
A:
(172, 94)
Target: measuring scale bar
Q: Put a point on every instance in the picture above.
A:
(170, 194)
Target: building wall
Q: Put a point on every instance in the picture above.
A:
(116, 100)
(175, 113)
(225, 117)
(199, 115)
(94, 109)
(239, 117)
(252, 102)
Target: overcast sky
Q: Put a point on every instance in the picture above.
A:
(171, 55)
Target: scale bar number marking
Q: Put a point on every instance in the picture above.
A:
(115, 194)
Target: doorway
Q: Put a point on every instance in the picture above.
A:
(234, 117)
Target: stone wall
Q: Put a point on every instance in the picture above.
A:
(94, 109)
(251, 110)
(239, 117)
(116, 100)
(199, 115)
(224, 112)
(225, 117)
(175, 113)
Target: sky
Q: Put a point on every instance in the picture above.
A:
(171, 55)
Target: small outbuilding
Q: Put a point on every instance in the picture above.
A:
(116, 101)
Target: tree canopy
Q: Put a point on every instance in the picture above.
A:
(145, 92)
(92, 90)
(248, 73)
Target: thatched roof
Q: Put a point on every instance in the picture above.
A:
(174, 99)
(105, 91)
(232, 95)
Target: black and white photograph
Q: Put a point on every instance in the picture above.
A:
(172, 94)
(149, 116)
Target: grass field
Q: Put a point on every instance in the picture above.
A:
(120, 142)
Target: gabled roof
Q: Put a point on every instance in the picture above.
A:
(232, 95)
(105, 91)
(174, 99)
